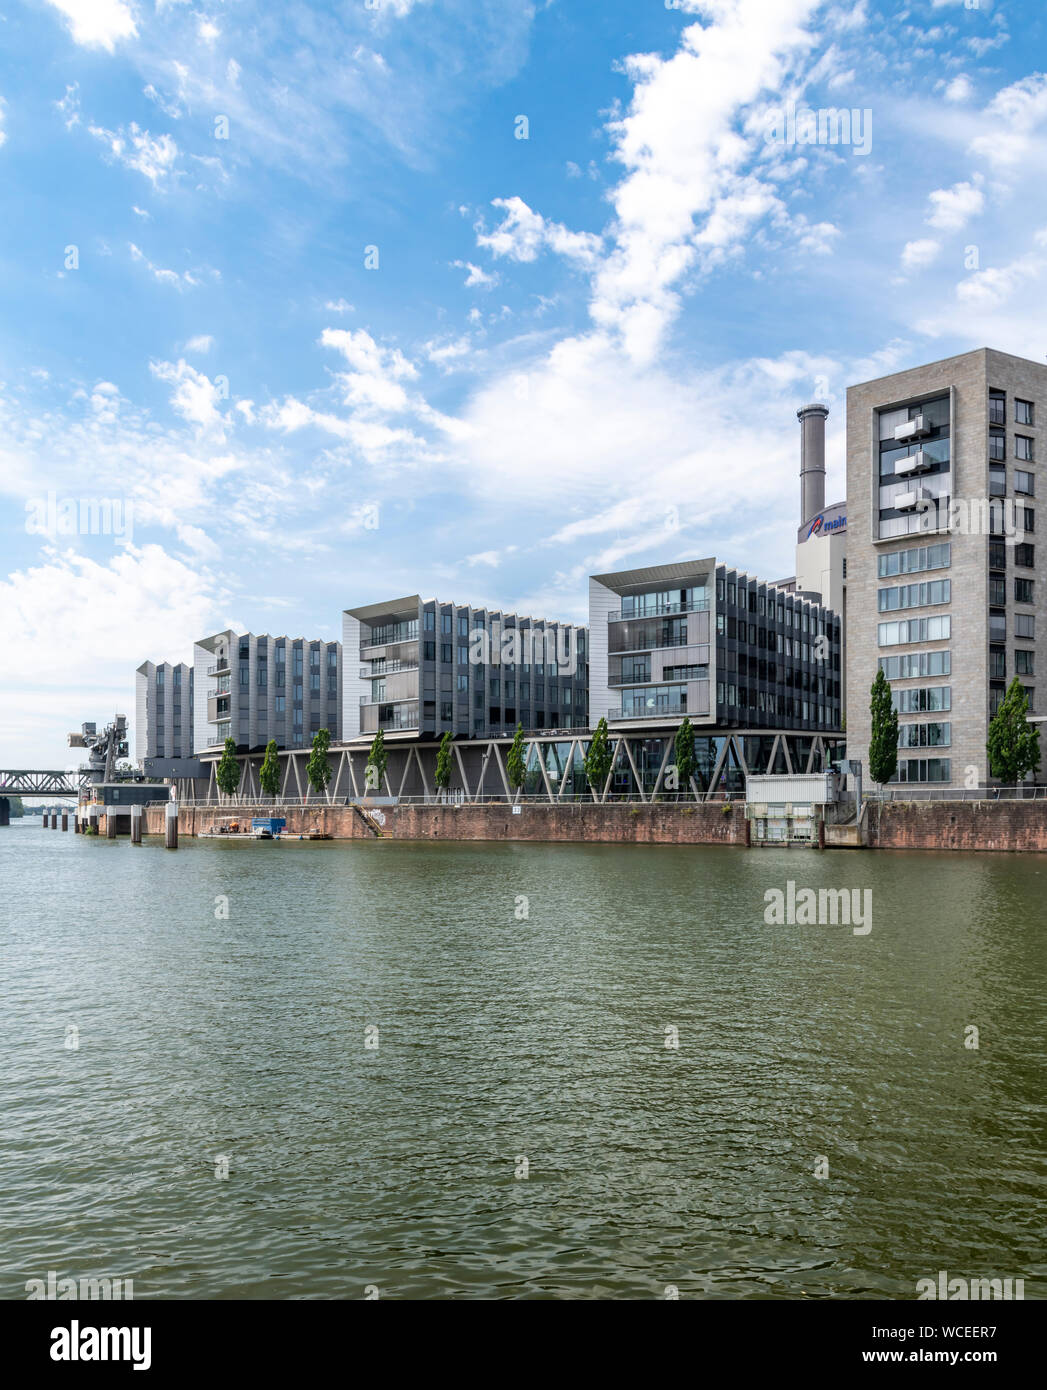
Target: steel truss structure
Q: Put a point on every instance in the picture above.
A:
(38, 783)
(641, 767)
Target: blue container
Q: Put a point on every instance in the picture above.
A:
(272, 823)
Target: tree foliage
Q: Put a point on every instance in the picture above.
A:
(377, 761)
(227, 773)
(598, 759)
(683, 752)
(883, 739)
(1014, 743)
(269, 774)
(443, 762)
(515, 765)
(318, 769)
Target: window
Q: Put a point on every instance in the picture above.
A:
(1024, 482)
(910, 664)
(1025, 517)
(1024, 625)
(997, 408)
(997, 590)
(1023, 591)
(914, 595)
(914, 630)
(997, 480)
(429, 651)
(463, 656)
(924, 557)
(281, 704)
(446, 654)
(924, 736)
(263, 677)
(1023, 447)
(998, 662)
(446, 711)
(997, 446)
(495, 687)
(332, 658)
(463, 624)
(314, 681)
(997, 691)
(445, 623)
(1024, 555)
(918, 699)
(1030, 694)
(1023, 412)
(430, 620)
(924, 770)
(1023, 663)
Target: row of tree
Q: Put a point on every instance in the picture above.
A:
(1013, 748)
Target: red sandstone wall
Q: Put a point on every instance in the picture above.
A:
(964, 825)
(657, 824)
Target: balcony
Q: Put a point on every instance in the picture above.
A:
(223, 665)
(697, 605)
(916, 428)
(909, 501)
(384, 668)
(915, 463)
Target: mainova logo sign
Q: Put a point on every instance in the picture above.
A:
(820, 527)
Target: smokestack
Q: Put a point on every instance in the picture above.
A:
(812, 420)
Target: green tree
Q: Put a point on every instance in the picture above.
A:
(269, 774)
(515, 764)
(683, 751)
(883, 738)
(318, 769)
(377, 761)
(443, 762)
(227, 773)
(1014, 743)
(598, 759)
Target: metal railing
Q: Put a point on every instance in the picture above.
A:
(697, 605)
(383, 668)
(316, 802)
(910, 793)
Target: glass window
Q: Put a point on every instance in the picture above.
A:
(1024, 482)
(1022, 447)
(1023, 412)
(1023, 591)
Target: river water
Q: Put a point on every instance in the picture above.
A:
(521, 1129)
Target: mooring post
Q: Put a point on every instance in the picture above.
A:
(821, 830)
(92, 822)
(110, 824)
(171, 825)
(65, 818)
(136, 825)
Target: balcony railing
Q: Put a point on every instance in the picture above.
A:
(697, 605)
(223, 665)
(383, 668)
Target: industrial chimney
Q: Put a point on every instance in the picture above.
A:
(812, 420)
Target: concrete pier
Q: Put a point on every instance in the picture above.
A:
(65, 818)
(171, 825)
(110, 825)
(136, 825)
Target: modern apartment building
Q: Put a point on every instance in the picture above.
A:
(421, 667)
(256, 688)
(163, 711)
(702, 640)
(945, 582)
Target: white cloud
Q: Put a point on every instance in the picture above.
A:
(195, 397)
(523, 233)
(952, 208)
(961, 88)
(98, 23)
(478, 278)
(152, 156)
(1018, 113)
(203, 343)
(339, 306)
(376, 372)
(165, 277)
(917, 255)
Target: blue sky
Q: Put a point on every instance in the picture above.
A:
(578, 351)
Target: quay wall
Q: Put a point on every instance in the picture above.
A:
(910, 825)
